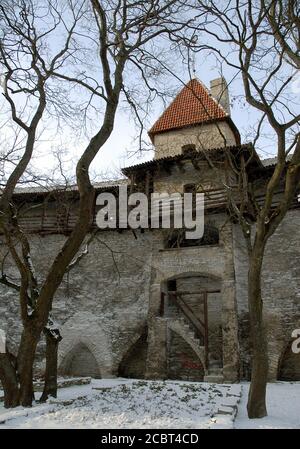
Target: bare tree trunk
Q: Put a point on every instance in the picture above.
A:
(50, 386)
(9, 382)
(26, 356)
(114, 53)
(259, 373)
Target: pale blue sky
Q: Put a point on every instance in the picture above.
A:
(115, 153)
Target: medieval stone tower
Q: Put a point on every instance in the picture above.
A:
(198, 118)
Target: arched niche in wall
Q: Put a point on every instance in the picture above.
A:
(81, 362)
(193, 299)
(133, 363)
(289, 365)
(188, 148)
(84, 330)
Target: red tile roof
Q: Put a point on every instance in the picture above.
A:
(193, 105)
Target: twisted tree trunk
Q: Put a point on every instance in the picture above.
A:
(259, 373)
(26, 354)
(9, 381)
(50, 386)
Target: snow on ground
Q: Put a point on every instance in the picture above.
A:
(283, 405)
(127, 404)
(123, 403)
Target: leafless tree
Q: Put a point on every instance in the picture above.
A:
(25, 72)
(259, 41)
(114, 33)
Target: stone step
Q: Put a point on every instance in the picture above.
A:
(196, 340)
(214, 379)
(215, 371)
(189, 331)
(190, 334)
(214, 364)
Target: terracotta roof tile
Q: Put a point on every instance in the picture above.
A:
(193, 105)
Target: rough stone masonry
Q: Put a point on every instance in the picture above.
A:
(149, 303)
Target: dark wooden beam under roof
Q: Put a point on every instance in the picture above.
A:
(147, 182)
(214, 153)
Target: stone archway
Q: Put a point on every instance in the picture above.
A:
(80, 362)
(85, 341)
(190, 308)
(133, 363)
(289, 366)
(200, 295)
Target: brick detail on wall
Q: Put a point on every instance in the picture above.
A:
(183, 363)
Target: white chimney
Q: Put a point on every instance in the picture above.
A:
(219, 90)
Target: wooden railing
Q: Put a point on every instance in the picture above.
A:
(49, 221)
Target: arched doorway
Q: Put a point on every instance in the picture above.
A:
(194, 302)
(133, 364)
(80, 362)
(83, 333)
(289, 369)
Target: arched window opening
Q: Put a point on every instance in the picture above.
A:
(289, 369)
(176, 238)
(189, 188)
(189, 148)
